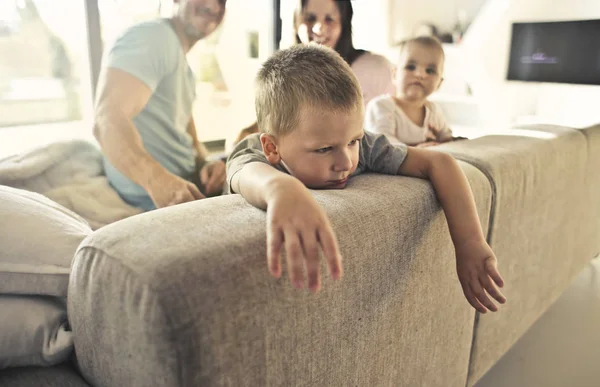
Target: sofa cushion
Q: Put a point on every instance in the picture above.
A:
(33, 331)
(38, 239)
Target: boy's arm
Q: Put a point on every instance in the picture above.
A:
(476, 263)
(294, 221)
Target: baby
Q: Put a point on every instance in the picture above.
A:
(408, 117)
(309, 110)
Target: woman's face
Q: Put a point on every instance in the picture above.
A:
(320, 22)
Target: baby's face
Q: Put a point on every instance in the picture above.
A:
(419, 71)
(322, 151)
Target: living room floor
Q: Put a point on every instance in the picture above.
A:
(562, 349)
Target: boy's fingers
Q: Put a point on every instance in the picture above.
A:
(274, 243)
(311, 254)
(328, 242)
(473, 301)
(295, 258)
(492, 270)
(492, 290)
(481, 296)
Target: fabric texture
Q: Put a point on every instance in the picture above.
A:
(384, 116)
(151, 52)
(71, 174)
(63, 375)
(375, 75)
(38, 238)
(538, 175)
(377, 155)
(191, 303)
(33, 331)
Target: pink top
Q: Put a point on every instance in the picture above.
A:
(374, 74)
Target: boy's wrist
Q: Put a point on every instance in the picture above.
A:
(281, 185)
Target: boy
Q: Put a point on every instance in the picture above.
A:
(310, 111)
(408, 117)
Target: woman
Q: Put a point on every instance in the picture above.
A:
(329, 22)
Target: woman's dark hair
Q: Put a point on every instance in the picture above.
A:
(344, 45)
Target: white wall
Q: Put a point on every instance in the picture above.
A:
(405, 14)
(504, 102)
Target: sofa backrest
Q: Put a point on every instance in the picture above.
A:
(542, 215)
(182, 297)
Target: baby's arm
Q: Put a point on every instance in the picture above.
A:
(294, 221)
(439, 126)
(379, 118)
(475, 261)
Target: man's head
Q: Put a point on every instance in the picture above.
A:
(420, 68)
(309, 108)
(199, 18)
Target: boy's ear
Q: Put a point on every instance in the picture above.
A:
(269, 147)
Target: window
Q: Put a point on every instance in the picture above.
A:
(225, 63)
(43, 62)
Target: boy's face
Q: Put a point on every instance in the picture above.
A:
(419, 71)
(322, 151)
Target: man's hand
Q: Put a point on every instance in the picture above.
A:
(212, 176)
(477, 270)
(169, 190)
(297, 222)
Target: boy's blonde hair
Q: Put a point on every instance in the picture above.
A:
(303, 76)
(425, 41)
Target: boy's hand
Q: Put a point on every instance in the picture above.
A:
(477, 270)
(295, 220)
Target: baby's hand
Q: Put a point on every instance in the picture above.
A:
(477, 270)
(295, 220)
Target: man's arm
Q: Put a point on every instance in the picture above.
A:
(294, 221)
(200, 148)
(121, 97)
(476, 263)
(213, 173)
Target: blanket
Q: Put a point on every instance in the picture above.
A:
(70, 173)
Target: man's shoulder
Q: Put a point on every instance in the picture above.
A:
(151, 31)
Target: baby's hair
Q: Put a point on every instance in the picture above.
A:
(304, 76)
(425, 41)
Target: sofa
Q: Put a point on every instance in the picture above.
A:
(181, 296)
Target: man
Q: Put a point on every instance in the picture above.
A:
(143, 119)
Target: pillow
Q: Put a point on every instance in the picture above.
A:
(38, 239)
(33, 331)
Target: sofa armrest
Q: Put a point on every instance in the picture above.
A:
(181, 296)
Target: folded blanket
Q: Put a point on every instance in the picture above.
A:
(71, 174)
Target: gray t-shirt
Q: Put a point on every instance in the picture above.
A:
(376, 155)
(151, 52)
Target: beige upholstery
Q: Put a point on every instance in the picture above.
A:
(539, 177)
(182, 297)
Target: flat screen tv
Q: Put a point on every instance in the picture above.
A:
(561, 52)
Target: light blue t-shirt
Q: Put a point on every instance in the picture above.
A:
(152, 52)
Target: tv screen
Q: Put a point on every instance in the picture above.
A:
(562, 52)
